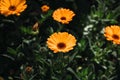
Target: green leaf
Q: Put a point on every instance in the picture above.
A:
(11, 51)
(82, 44)
(26, 30)
(68, 77)
(73, 56)
(73, 72)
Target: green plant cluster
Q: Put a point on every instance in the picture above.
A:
(93, 57)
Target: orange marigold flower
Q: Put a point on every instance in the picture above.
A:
(61, 42)
(112, 33)
(45, 8)
(12, 7)
(63, 15)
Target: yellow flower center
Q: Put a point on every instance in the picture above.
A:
(12, 8)
(61, 45)
(63, 18)
(115, 36)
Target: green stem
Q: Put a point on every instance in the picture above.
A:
(60, 27)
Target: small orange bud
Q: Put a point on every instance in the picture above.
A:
(35, 26)
(28, 69)
(45, 8)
